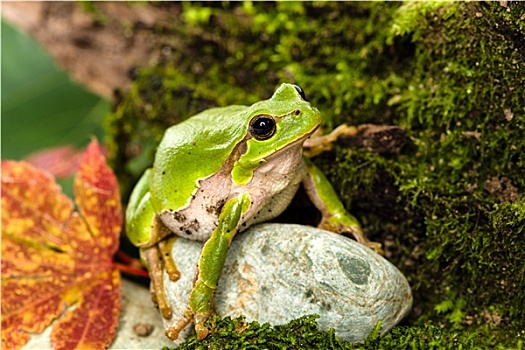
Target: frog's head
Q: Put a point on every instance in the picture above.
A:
(285, 120)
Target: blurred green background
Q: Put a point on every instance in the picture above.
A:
(41, 106)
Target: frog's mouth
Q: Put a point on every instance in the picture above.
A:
(294, 143)
(298, 143)
(251, 158)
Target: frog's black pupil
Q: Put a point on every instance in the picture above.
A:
(300, 91)
(262, 127)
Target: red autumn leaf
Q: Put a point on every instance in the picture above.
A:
(54, 257)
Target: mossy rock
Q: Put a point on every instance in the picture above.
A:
(450, 207)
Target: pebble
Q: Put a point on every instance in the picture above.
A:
(279, 272)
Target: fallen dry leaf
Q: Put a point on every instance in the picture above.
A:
(54, 257)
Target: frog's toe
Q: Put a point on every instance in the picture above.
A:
(159, 300)
(166, 312)
(326, 225)
(173, 332)
(354, 231)
(201, 330)
(375, 246)
(168, 263)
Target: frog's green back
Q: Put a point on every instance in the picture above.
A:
(194, 150)
(197, 148)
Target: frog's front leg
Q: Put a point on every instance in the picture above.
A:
(335, 218)
(211, 262)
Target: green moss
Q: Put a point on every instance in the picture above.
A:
(243, 52)
(94, 11)
(464, 91)
(304, 334)
(450, 208)
(457, 193)
(238, 334)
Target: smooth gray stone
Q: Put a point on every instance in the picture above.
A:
(276, 273)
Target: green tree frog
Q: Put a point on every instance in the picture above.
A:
(218, 173)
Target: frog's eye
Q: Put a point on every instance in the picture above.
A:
(262, 126)
(300, 91)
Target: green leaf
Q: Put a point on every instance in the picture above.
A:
(41, 107)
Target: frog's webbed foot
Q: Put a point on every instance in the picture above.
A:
(375, 246)
(200, 329)
(348, 225)
(200, 308)
(174, 331)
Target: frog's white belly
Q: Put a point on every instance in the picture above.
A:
(271, 190)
